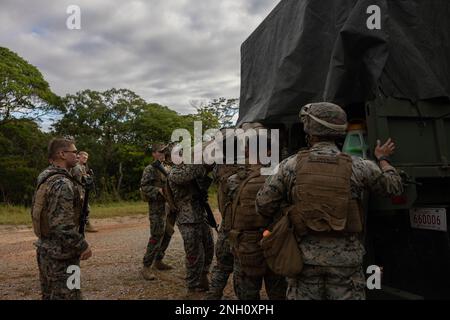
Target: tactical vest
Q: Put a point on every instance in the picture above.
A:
(244, 215)
(224, 172)
(321, 196)
(39, 215)
(247, 226)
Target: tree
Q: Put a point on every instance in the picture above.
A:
(225, 110)
(103, 123)
(23, 155)
(23, 91)
(156, 124)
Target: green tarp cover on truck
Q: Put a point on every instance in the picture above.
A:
(313, 50)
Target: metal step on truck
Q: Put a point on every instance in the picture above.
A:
(393, 79)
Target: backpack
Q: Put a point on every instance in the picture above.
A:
(40, 221)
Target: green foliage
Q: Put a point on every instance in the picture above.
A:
(114, 127)
(23, 90)
(22, 157)
(219, 112)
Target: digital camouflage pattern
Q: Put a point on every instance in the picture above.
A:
(151, 183)
(199, 249)
(327, 283)
(78, 172)
(196, 234)
(64, 244)
(346, 252)
(223, 267)
(249, 287)
(53, 277)
(224, 257)
(181, 179)
(325, 111)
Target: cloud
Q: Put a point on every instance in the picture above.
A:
(167, 51)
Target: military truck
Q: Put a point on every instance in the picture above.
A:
(392, 75)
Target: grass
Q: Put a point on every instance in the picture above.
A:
(16, 215)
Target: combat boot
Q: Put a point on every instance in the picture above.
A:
(204, 282)
(214, 294)
(147, 273)
(194, 294)
(158, 264)
(90, 227)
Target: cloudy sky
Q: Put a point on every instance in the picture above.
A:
(168, 51)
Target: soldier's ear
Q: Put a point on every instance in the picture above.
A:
(61, 155)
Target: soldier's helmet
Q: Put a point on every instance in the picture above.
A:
(157, 147)
(250, 129)
(324, 119)
(252, 125)
(167, 148)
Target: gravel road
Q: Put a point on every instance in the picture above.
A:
(113, 271)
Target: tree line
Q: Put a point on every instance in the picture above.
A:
(115, 127)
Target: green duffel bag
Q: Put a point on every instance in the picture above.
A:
(281, 250)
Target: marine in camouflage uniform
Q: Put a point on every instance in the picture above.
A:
(332, 265)
(197, 236)
(79, 172)
(60, 244)
(248, 287)
(224, 257)
(161, 230)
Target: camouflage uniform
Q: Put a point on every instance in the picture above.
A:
(78, 172)
(63, 244)
(249, 287)
(152, 181)
(224, 257)
(197, 236)
(332, 265)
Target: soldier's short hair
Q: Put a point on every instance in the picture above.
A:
(56, 144)
(158, 147)
(83, 153)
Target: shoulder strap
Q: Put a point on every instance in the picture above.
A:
(58, 173)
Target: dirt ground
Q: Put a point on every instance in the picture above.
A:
(111, 273)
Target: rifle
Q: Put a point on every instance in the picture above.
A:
(167, 194)
(203, 197)
(158, 166)
(88, 183)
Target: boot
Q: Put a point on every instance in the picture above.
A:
(214, 294)
(204, 282)
(90, 227)
(194, 294)
(147, 273)
(159, 265)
